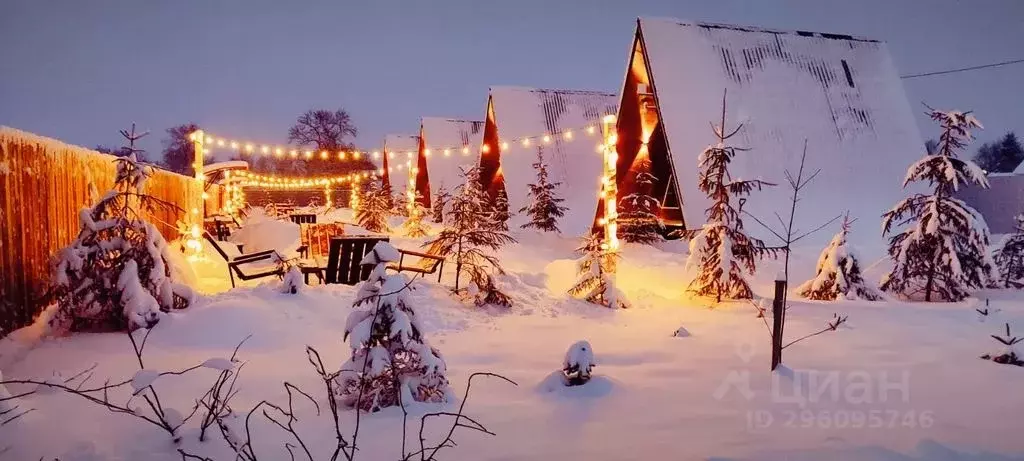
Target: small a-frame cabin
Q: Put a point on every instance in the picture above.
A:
(398, 155)
(522, 122)
(445, 147)
(1000, 203)
(839, 94)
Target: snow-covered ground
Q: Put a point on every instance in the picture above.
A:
(900, 381)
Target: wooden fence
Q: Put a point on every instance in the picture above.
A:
(43, 185)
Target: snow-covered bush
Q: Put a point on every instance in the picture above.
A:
(838, 274)
(117, 273)
(578, 363)
(292, 282)
(391, 360)
(372, 213)
(720, 251)
(1010, 257)
(638, 215)
(941, 254)
(543, 207)
(470, 235)
(1008, 354)
(596, 275)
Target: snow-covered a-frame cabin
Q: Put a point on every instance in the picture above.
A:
(445, 147)
(398, 154)
(521, 122)
(839, 94)
(1000, 203)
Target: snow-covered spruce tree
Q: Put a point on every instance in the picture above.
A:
(500, 212)
(578, 364)
(838, 275)
(543, 207)
(595, 271)
(469, 238)
(414, 226)
(117, 273)
(1010, 257)
(721, 251)
(400, 205)
(437, 207)
(941, 254)
(638, 215)
(391, 360)
(373, 211)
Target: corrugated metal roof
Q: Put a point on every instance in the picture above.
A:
(840, 94)
(521, 112)
(440, 133)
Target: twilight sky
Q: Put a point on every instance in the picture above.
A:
(80, 70)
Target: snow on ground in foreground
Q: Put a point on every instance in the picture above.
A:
(653, 396)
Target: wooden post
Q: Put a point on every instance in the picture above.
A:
(609, 184)
(778, 310)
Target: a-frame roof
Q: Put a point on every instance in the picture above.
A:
(445, 139)
(399, 151)
(572, 161)
(839, 94)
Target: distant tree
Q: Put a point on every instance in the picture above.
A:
(179, 152)
(543, 208)
(1010, 256)
(115, 151)
(372, 212)
(500, 212)
(838, 275)
(1002, 156)
(414, 226)
(595, 274)
(440, 199)
(942, 252)
(331, 131)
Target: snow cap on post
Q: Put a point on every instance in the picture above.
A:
(780, 276)
(382, 252)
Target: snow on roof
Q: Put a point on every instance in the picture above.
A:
(521, 112)
(228, 165)
(1019, 169)
(440, 133)
(840, 94)
(1000, 203)
(404, 146)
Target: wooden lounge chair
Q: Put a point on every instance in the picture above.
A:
(302, 218)
(344, 256)
(259, 264)
(422, 263)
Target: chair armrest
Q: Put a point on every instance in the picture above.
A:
(266, 254)
(421, 255)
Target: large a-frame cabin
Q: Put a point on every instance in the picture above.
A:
(524, 122)
(839, 94)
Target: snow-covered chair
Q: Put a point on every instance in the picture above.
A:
(256, 265)
(344, 256)
(422, 263)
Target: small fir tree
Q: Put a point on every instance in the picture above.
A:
(400, 205)
(373, 210)
(595, 271)
(500, 212)
(414, 226)
(440, 200)
(470, 236)
(638, 218)
(543, 207)
(1010, 257)
(118, 273)
(941, 254)
(392, 363)
(838, 274)
(720, 251)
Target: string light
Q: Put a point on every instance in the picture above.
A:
(547, 139)
(526, 142)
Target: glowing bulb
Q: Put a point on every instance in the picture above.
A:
(547, 139)
(309, 153)
(447, 152)
(600, 148)
(590, 130)
(205, 196)
(408, 154)
(192, 136)
(323, 155)
(391, 154)
(249, 147)
(294, 153)
(465, 151)
(391, 169)
(209, 139)
(195, 210)
(341, 155)
(279, 152)
(376, 155)
(365, 174)
(355, 155)
(220, 143)
(485, 148)
(568, 135)
(234, 145)
(504, 146)
(609, 118)
(426, 152)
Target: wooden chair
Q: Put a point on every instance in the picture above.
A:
(235, 262)
(423, 263)
(302, 218)
(344, 256)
